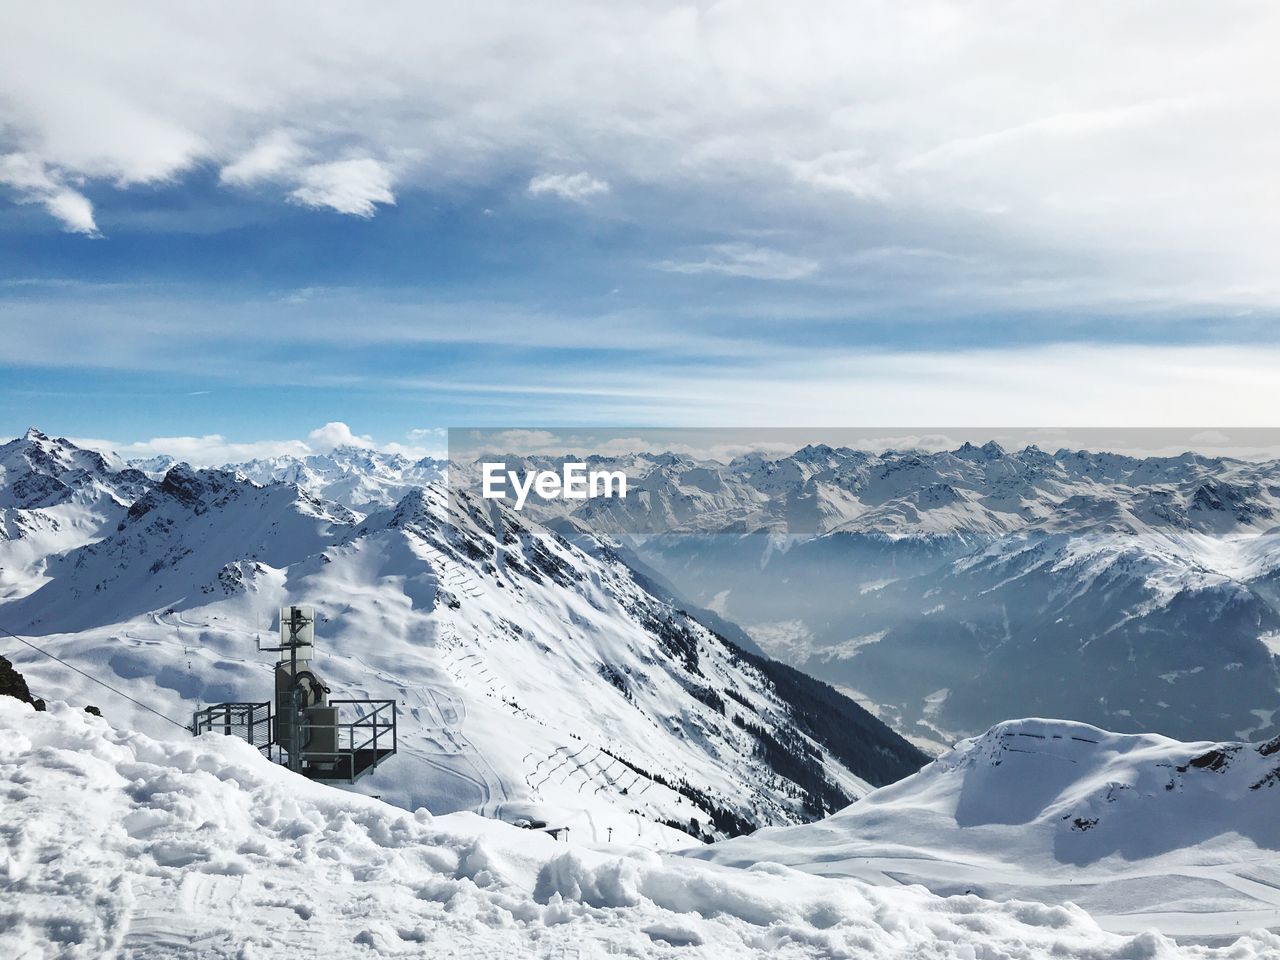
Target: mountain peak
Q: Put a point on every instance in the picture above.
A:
(988, 451)
(811, 450)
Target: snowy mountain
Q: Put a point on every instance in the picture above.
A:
(54, 497)
(116, 844)
(1139, 830)
(359, 478)
(535, 680)
(946, 591)
(971, 491)
(950, 590)
(168, 543)
(540, 678)
(37, 471)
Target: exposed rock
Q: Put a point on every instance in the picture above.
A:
(14, 684)
(1214, 761)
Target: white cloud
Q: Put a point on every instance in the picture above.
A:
(577, 187)
(744, 260)
(851, 171)
(214, 449)
(1084, 385)
(433, 434)
(354, 186)
(336, 434)
(272, 156)
(36, 183)
(1121, 148)
(521, 440)
(347, 186)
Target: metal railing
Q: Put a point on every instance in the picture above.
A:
(251, 722)
(373, 730)
(356, 745)
(340, 749)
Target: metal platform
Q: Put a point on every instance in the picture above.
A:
(363, 735)
(246, 721)
(343, 740)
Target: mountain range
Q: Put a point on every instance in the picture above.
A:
(535, 679)
(950, 590)
(557, 665)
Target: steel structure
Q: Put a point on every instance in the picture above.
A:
(322, 739)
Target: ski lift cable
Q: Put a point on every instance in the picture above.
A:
(101, 683)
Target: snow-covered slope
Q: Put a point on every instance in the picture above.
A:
(194, 534)
(54, 497)
(115, 844)
(954, 589)
(946, 591)
(360, 478)
(949, 590)
(534, 680)
(1138, 829)
(976, 491)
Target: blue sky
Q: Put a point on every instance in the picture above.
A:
(220, 235)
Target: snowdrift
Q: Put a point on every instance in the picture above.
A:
(1141, 830)
(112, 843)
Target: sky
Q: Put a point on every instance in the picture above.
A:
(222, 229)
(723, 444)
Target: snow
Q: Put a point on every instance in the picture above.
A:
(1096, 551)
(1140, 830)
(533, 684)
(359, 478)
(536, 688)
(787, 640)
(116, 844)
(54, 497)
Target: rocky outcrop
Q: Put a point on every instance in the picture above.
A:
(14, 684)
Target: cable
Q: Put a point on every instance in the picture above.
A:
(94, 679)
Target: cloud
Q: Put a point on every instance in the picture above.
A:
(214, 449)
(577, 187)
(1083, 385)
(520, 440)
(272, 156)
(850, 171)
(744, 260)
(336, 434)
(434, 434)
(347, 186)
(1093, 150)
(353, 186)
(36, 183)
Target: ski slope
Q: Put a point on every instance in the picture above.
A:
(1141, 831)
(116, 844)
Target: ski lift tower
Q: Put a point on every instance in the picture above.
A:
(320, 738)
